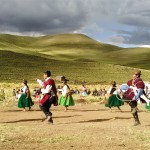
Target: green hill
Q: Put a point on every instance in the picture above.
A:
(60, 47)
(76, 56)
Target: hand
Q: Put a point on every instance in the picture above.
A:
(38, 80)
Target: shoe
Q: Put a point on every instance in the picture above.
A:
(49, 120)
(137, 123)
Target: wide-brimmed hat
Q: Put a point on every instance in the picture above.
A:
(137, 72)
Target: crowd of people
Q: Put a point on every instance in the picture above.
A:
(131, 93)
(86, 91)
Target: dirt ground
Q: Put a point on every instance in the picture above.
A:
(82, 127)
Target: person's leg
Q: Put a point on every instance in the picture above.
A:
(66, 108)
(48, 106)
(133, 105)
(110, 108)
(24, 109)
(29, 108)
(119, 108)
(46, 110)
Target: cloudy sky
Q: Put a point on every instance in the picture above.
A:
(120, 22)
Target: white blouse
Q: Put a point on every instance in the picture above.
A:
(64, 90)
(24, 89)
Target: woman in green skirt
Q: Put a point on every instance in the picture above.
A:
(66, 97)
(114, 99)
(25, 99)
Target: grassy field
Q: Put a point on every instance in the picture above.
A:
(75, 56)
(84, 126)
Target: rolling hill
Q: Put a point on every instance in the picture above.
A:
(74, 55)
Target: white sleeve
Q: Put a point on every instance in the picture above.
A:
(47, 89)
(109, 90)
(40, 82)
(60, 90)
(64, 90)
(24, 89)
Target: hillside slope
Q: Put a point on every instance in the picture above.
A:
(74, 55)
(60, 47)
(76, 47)
(16, 66)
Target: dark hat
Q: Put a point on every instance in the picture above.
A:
(137, 72)
(25, 81)
(65, 80)
(113, 82)
(48, 73)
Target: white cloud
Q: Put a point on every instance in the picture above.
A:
(145, 46)
(98, 18)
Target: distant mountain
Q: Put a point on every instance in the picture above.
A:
(76, 51)
(62, 46)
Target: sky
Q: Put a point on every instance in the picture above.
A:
(124, 23)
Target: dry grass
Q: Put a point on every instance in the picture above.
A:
(86, 125)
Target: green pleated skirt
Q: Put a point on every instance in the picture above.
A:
(66, 101)
(25, 102)
(114, 101)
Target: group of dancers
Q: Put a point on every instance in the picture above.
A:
(48, 96)
(131, 93)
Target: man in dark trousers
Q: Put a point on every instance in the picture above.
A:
(49, 97)
(138, 85)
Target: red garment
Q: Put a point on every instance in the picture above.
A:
(129, 94)
(137, 83)
(48, 95)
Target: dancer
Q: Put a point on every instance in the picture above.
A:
(49, 97)
(66, 98)
(25, 99)
(114, 98)
(132, 92)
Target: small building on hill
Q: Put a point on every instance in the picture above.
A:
(59, 78)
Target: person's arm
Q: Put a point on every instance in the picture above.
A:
(47, 89)
(60, 90)
(109, 90)
(139, 93)
(40, 82)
